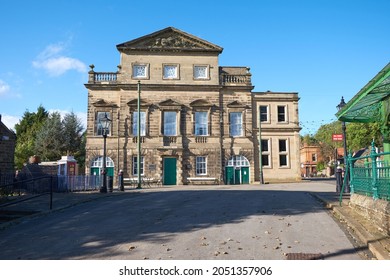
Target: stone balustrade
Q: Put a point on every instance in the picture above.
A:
(227, 79)
(102, 77)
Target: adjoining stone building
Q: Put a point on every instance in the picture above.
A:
(7, 149)
(199, 120)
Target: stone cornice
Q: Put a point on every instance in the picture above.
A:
(169, 87)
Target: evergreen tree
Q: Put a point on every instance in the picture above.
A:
(73, 133)
(26, 131)
(49, 143)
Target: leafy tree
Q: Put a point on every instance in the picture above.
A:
(309, 140)
(324, 138)
(49, 142)
(360, 135)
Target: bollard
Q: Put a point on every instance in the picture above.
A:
(121, 186)
(110, 183)
(339, 179)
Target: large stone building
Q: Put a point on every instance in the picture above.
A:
(198, 120)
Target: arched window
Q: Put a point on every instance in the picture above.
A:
(98, 162)
(238, 161)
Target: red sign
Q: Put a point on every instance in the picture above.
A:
(337, 137)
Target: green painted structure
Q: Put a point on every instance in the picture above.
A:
(371, 104)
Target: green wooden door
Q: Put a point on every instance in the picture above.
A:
(95, 171)
(169, 165)
(237, 175)
(110, 171)
(244, 175)
(229, 175)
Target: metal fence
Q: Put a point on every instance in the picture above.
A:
(79, 183)
(370, 175)
(56, 183)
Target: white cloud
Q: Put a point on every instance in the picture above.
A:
(4, 88)
(10, 121)
(56, 64)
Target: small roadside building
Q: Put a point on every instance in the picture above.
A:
(7, 149)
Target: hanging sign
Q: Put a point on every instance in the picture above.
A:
(337, 137)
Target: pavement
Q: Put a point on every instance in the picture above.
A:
(376, 241)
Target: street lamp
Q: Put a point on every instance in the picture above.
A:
(139, 135)
(343, 127)
(105, 123)
(260, 152)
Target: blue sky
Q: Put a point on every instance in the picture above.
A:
(321, 49)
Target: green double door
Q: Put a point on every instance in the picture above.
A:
(97, 171)
(236, 175)
(169, 171)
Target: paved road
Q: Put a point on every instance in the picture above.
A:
(186, 222)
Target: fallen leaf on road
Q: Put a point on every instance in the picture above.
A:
(132, 248)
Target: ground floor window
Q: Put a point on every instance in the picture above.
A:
(265, 153)
(283, 153)
(135, 165)
(201, 165)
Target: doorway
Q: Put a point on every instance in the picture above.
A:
(237, 171)
(169, 171)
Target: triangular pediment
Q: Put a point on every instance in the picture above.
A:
(200, 103)
(103, 103)
(169, 39)
(133, 103)
(170, 103)
(237, 104)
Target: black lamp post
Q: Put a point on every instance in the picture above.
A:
(105, 123)
(343, 127)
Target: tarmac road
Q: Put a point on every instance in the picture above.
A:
(242, 222)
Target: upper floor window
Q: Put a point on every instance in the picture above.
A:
(201, 166)
(140, 71)
(171, 71)
(170, 123)
(98, 125)
(235, 127)
(201, 123)
(264, 113)
(314, 157)
(201, 72)
(282, 114)
(142, 123)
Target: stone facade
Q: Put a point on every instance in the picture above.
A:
(7, 149)
(198, 122)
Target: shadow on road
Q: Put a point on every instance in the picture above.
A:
(90, 229)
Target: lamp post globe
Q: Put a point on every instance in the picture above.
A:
(105, 123)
